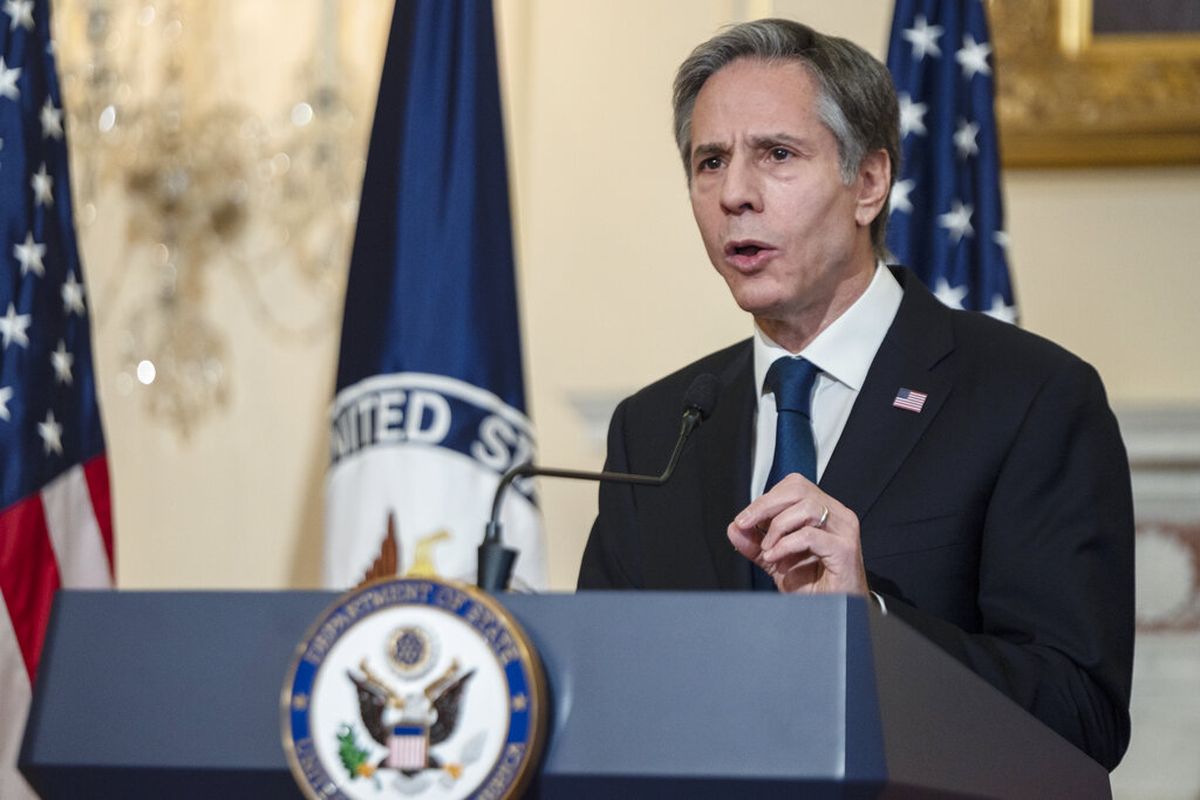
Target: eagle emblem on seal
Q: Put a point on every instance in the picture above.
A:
(409, 724)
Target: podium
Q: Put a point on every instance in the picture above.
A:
(697, 695)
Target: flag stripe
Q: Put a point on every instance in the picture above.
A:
(28, 575)
(95, 471)
(15, 696)
(74, 534)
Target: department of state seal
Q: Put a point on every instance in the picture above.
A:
(414, 688)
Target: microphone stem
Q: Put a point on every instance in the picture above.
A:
(496, 561)
(691, 419)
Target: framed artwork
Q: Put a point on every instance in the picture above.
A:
(1097, 82)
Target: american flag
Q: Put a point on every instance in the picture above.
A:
(55, 528)
(910, 400)
(947, 218)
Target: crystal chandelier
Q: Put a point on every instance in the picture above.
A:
(208, 185)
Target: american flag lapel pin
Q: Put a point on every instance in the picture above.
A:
(910, 400)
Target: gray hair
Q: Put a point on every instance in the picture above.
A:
(856, 99)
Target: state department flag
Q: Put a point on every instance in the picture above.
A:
(55, 527)
(947, 219)
(430, 402)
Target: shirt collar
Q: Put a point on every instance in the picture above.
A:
(846, 348)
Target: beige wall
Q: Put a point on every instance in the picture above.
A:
(1105, 264)
(615, 288)
(237, 502)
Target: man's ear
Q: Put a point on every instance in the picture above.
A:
(874, 186)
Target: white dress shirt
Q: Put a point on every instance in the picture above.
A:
(843, 352)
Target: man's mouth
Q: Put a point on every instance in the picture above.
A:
(744, 248)
(747, 253)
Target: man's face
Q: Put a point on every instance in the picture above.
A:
(777, 221)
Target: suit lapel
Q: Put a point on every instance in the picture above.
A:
(878, 436)
(724, 450)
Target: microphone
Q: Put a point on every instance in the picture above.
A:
(496, 561)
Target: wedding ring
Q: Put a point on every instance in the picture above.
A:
(824, 516)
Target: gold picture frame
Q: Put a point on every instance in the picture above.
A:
(1068, 98)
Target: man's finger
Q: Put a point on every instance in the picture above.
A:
(820, 543)
(746, 543)
(786, 493)
(807, 512)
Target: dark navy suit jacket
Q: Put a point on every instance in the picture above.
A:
(998, 521)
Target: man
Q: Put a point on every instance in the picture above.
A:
(967, 475)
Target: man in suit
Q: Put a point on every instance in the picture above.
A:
(965, 475)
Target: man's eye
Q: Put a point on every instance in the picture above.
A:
(711, 163)
(780, 154)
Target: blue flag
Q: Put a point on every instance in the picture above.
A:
(947, 219)
(430, 401)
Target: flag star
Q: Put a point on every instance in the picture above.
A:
(923, 37)
(51, 433)
(43, 187)
(8, 81)
(72, 295)
(973, 57)
(958, 221)
(62, 361)
(20, 12)
(1002, 311)
(12, 328)
(30, 253)
(964, 138)
(6, 393)
(912, 116)
(899, 198)
(951, 296)
(51, 121)
(1001, 238)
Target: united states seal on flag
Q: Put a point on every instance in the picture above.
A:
(430, 402)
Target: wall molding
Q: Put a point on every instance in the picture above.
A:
(1161, 437)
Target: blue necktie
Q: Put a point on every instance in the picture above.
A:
(791, 381)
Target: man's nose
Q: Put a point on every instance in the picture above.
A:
(740, 191)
